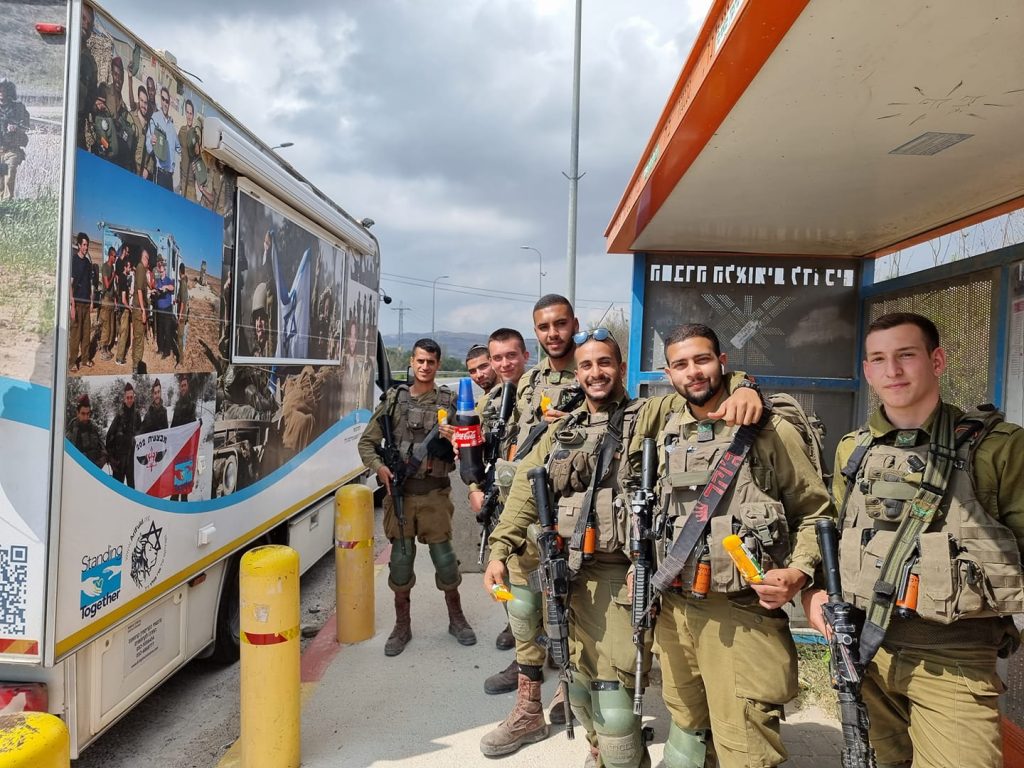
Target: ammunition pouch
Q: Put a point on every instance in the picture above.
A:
(763, 528)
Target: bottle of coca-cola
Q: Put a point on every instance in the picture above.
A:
(468, 437)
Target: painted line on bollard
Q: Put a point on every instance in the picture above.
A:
(270, 638)
(21, 647)
(359, 544)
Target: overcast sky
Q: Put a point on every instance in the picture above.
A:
(448, 123)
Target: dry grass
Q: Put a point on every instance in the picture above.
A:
(814, 679)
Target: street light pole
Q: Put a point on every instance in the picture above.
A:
(433, 300)
(283, 145)
(540, 268)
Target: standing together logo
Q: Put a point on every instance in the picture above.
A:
(148, 544)
(101, 580)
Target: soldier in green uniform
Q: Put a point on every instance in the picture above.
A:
(427, 493)
(727, 658)
(107, 302)
(140, 310)
(508, 357)
(14, 125)
(85, 435)
(600, 631)
(191, 142)
(931, 688)
(143, 161)
(88, 75)
(120, 440)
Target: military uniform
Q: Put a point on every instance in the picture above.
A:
(125, 300)
(932, 689)
(142, 158)
(80, 332)
(86, 438)
(729, 665)
(14, 125)
(156, 419)
(107, 289)
(121, 444)
(190, 141)
(600, 628)
(140, 314)
(427, 506)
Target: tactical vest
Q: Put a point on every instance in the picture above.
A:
(751, 508)
(968, 564)
(538, 386)
(413, 419)
(576, 443)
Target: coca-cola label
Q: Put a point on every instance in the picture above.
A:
(468, 437)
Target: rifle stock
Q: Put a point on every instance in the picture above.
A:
(392, 458)
(641, 552)
(845, 665)
(554, 579)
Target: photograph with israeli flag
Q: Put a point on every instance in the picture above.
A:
(288, 286)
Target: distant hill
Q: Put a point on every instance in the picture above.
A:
(452, 342)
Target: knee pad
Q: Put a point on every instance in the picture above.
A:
(580, 700)
(618, 729)
(524, 613)
(446, 565)
(401, 575)
(685, 749)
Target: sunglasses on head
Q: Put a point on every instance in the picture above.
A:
(597, 334)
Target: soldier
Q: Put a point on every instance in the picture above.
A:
(14, 125)
(84, 434)
(127, 135)
(143, 161)
(427, 493)
(181, 312)
(107, 302)
(81, 305)
(727, 658)
(140, 310)
(600, 629)
(120, 439)
(260, 330)
(88, 74)
(184, 413)
(191, 142)
(478, 363)
(928, 487)
(163, 310)
(156, 414)
(508, 356)
(124, 291)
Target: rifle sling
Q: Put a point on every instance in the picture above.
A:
(610, 443)
(707, 505)
(924, 509)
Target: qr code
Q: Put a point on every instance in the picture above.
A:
(13, 589)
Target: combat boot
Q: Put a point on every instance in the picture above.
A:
(524, 724)
(505, 640)
(504, 681)
(402, 633)
(457, 624)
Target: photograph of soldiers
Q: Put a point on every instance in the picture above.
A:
(190, 140)
(124, 291)
(123, 212)
(88, 75)
(14, 126)
(162, 140)
(143, 161)
(184, 413)
(108, 301)
(120, 440)
(727, 656)
(412, 410)
(80, 335)
(85, 435)
(931, 684)
(600, 627)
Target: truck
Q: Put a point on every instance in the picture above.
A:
(190, 347)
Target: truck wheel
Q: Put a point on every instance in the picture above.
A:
(226, 644)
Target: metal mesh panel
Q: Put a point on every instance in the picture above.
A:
(962, 310)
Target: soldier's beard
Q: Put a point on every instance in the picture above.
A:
(714, 386)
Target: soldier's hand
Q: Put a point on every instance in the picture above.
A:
(476, 501)
(629, 582)
(551, 415)
(744, 406)
(446, 431)
(384, 477)
(779, 586)
(496, 573)
(813, 601)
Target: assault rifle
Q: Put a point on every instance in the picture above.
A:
(847, 671)
(401, 468)
(490, 509)
(641, 552)
(554, 582)
(570, 400)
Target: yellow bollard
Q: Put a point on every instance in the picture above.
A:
(353, 563)
(34, 740)
(269, 593)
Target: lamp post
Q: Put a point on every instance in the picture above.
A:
(540, 267)
(433, 300)
(283, 145)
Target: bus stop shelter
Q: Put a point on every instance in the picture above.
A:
(803, 140)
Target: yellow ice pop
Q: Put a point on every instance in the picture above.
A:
(442, 416)
(743, 558)
(501, 592)
(545, 404)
